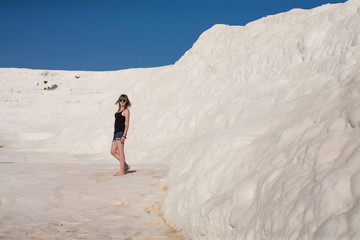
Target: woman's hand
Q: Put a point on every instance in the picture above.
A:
(122, 140)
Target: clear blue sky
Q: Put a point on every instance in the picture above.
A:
(112, 35)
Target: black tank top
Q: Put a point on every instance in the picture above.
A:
(119, 122)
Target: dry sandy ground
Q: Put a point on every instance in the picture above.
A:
(80, 200)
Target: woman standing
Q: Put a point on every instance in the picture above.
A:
(122, 117)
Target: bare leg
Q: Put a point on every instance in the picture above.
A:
(120, 148)
(117, 150)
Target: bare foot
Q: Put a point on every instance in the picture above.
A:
(120, 173)
(127, 168)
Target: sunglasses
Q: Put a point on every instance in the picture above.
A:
(122, 100)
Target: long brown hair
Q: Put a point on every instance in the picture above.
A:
(124, 97)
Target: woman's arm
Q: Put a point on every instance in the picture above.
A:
(127, 118)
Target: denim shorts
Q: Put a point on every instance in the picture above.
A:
(117, 136)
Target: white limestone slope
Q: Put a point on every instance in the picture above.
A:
(277, 148)
(258, 123)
